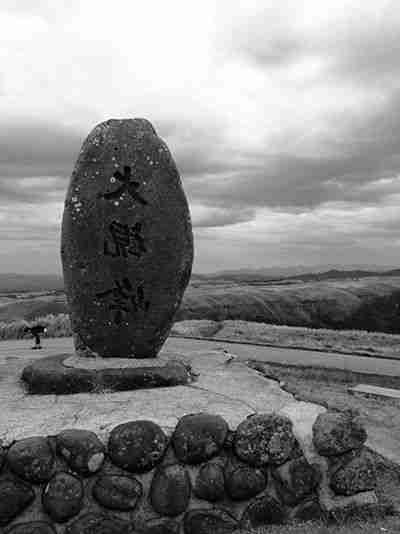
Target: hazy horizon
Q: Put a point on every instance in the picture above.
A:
(298, 268)
(283, 119)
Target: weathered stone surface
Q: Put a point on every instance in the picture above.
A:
(210, 482)
(296, 479)
(162, 526)
(82, 450)
(336, 433)
(32, 459)
(199, 437)
(33, 527)
(127, 245)
(117, 492)
(264, 510)
(50, 375)
(170, 490)
(3, 454)
(243, 481)
(137, 446)
(92, 523)
(15, 496)
(62, 497)
(354, 472)
(209, 520)
(266, 438)
(308, 511)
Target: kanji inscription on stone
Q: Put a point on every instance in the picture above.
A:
(128, 186)
(124, 299)
(124, 240)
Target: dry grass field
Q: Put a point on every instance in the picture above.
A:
(343, 341)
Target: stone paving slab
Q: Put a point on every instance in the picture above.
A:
(21, 416)
(230, 390)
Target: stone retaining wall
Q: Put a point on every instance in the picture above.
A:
(203, 478)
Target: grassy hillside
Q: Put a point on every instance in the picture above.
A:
(371, 303)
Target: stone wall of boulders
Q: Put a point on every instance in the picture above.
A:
(203, 478)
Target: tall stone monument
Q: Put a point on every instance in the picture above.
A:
(127, 251)
(127, 246)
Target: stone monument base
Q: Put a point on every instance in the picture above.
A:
(66, 373)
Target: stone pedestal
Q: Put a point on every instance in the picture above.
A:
(66, 373)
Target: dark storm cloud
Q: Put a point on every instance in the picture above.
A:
(36, 148)
(363, 150)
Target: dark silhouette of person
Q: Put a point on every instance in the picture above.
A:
(36, 330)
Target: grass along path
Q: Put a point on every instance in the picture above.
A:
(342, 341)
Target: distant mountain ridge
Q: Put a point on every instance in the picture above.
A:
(322, 272)
(14, 283)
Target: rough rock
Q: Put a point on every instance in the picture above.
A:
(264, 510)
(170, 490)
(266, 438)
(336, 433)
(210, 482)
(50, 376)
(243, 481)
(93, 523)
(15, 496)
(62, 497)
(127, 244)
(33, 527)
(296, 479)
(82, 450)
(354, 473)
(137, 446)
(309, 510)
(3, 454)
(32, 459)
(205, 521)
(117, 492)
(199, 437)
(162, 526)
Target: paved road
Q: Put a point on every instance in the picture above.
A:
(361, 364)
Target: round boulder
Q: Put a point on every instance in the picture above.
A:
(309, 510)
(296, 479)
(137, 446)
(266, 438)
(210, 482)
(117, 492)
(33, 527)
(92, 523)
(162, 526)
(82, 450)
(336, 433)
(15, 496)
(62, 497)
(209, 520)
(32, 459)
(357, 473)
(264, 510)
(170, 490)
(199, 437)
(243, 481)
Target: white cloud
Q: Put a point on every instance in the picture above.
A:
(287, 110)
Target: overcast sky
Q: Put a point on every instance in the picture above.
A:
(283, 118)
